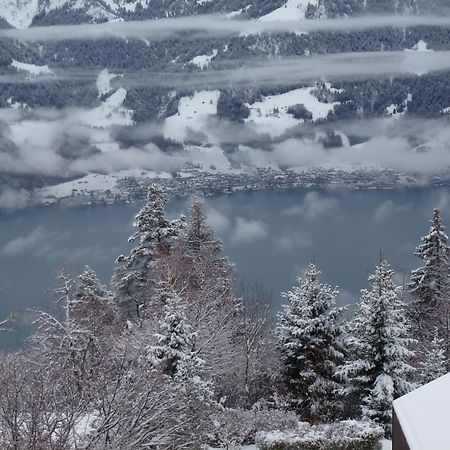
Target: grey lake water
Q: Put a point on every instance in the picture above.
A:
(270, 235)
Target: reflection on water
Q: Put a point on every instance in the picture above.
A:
(270, 235)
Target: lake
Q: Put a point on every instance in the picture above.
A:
(270, 235)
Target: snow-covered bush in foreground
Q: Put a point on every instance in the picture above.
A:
(237, 427)
(345, 435)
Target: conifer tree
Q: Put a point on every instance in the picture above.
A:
(154, 235)
(434, 361)
(311, 346)
(175, 352)
(198, 233)
(430, 290)
(378, 370)
(91, 305)
(201, 250)
(430, 284)
(175, 338)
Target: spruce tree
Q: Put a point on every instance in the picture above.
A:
(311, 346)
(434, 361)
(430, 284)
(202, 259)
(175, 338)
(198, 233)
(92, 304)
(378, 370)
(430, 290)
(154, 235)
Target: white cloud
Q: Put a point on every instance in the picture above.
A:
(207, 26)
(292, 242)
(218, 221)
(247, 231)
(314, 205)
(387, 209)
(12, 199)
(24, 244)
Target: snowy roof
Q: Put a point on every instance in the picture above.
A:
(424, 415)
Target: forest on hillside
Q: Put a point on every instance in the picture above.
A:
(178, 354)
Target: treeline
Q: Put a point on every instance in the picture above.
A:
(178, 355)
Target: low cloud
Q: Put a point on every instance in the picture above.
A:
(314, 205)
(12, 198)
(219, 221)
(207, 26)
(288, 71)
(387, 209)
(246, 231)
(25, 244)
(281, 70)
(293, 242)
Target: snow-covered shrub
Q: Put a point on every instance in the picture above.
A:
(236, 427)
(345, 435)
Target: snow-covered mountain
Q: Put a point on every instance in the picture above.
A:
(120, 118)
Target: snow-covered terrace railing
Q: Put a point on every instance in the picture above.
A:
(422, 418)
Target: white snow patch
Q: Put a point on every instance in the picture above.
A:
(110, 112)
(445, 110)
(424, 415)
(131, 6)
(270, 115)
(84, 426)
(192, 114)
(291, 10)
(234, 14)
(95, 183)
(344, 138)
(209, 159)
(19, 13)
(421, 46)
(203, 61)
(15, 104)
(399, 110)
(103, 82)
(32, 69)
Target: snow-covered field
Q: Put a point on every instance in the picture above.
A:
(19, 13)
(103, 82)
(192, 115)
(203, 61)
(291, 10)
(31, 69)
(110, 112)
(421, 46)
(94, 182)
(270, 115)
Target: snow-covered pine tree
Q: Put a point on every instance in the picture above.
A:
(154, 235)
(430, 289)
(431, 283)
(92, 304)
(175, 338)
(379, 348)
(311, 346)
(175, 352)
(198, 233)
(201, 252)
(434, 361)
